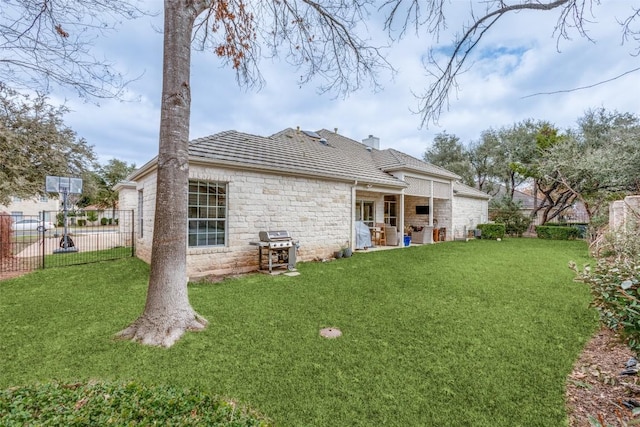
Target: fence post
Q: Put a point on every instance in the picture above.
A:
(133, 233)
(44, 244)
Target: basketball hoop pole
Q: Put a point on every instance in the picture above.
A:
(66, 186)
(64, 244)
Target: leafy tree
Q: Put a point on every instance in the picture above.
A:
(505, 211)
(484, 156)
(448, 152)
(517, 153)
(596, 162)
(556, 197)
(34, 143)
(105, 178)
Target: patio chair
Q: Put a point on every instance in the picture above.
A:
(382, 237)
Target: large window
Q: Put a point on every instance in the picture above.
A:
(365, 212)
(390, 210)
(207, 213)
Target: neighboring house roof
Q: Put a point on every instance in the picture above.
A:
(461, 189)
(525, 200)
(324, 153)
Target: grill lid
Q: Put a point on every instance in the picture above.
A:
(272, 236)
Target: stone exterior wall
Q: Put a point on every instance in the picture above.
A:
(410, 216)
(443, 214)
(317, 213)
(624, 213)
(127, 202)
(468, 213)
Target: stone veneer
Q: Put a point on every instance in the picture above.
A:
(624, 213)
(468, 213)
(316, 212)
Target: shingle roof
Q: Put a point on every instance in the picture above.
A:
(323, 154)
(390, 160)
(464, 190)
(526, 200)
(291, 151)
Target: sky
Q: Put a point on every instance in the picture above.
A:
(517, 59)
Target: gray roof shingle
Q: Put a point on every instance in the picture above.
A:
(464, 190)
(291, 151)
(324, 154)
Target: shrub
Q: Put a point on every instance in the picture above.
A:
(98, 403)
(103, 221)
(582, 227)
(509, 213)
(555, 232)
(82, 222)
(92, 216)
(615, 286)
(491, 231)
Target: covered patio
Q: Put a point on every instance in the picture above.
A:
(422, 211)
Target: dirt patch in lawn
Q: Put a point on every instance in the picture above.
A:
(596, 387)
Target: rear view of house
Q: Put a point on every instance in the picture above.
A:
(316, 185)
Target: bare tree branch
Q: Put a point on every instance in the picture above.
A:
(436, 97)
(583, 87)
(44, 42)
(318, 38)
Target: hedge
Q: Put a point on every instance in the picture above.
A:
(555, 232)
(492, 231)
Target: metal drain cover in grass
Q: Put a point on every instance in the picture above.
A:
(330, 333)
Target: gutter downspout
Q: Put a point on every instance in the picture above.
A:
(352, 221)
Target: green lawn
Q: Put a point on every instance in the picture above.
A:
(478, 333)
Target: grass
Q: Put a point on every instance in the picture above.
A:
(478, 333)
(73, 258)
(130, 404)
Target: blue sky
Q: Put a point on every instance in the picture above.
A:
(518, 57)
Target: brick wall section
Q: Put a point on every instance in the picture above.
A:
(315, 212)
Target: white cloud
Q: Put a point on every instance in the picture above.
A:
(518, 57)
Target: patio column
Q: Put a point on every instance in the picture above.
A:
(431, 207)
(352, 222)
(401, 215)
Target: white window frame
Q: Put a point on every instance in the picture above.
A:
(362, 208)
(207, 213)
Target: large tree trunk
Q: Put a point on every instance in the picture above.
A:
(167, 313)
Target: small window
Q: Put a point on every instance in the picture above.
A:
(207, 213)
(141, 213)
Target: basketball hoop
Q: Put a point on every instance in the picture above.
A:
(65, 186)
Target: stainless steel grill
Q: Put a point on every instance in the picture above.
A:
(279, 249)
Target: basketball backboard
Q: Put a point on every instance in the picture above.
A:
(61, 184)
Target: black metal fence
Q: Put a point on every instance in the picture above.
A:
(44, 241)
